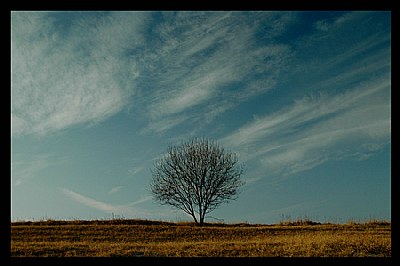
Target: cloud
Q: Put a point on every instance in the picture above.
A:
(26, 167)
(124, 209)
(23, 170)
(98, 205)
(164, 124)
(114, 190)
(336, 23)
(366, 50)
(316, 129)
(69, 70)
(134, 170)
(346, 110)
(141, 200)
(207, 59)
(84, 67)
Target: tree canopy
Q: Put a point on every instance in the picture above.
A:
(196, 177)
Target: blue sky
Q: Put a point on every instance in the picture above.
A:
(304, 99)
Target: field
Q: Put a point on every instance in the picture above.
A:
(141, 238)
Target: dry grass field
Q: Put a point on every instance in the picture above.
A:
(140, 238)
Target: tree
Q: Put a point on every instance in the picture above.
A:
(196, 177)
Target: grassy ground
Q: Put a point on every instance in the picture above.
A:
(152, 238)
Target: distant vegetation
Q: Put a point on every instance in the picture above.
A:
(125, 237)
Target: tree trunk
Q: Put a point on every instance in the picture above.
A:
(201, 220)
(195, 219)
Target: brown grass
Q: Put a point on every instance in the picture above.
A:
(155, 238)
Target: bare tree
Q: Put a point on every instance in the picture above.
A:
(196, 177)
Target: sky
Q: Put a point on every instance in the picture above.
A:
(303, 99)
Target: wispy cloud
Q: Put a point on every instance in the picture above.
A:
(316, 129)
(366, 51)
(208, 59)
(346, 113)
(23, 170)
(141, 200)
(67, 71)
(124, 209)
(98, 205)
(161, 125)
(26, 167)
(135, 170)
(84, 68)
(329, 25)
(114, 190)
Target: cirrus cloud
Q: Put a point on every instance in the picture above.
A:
(66, 75)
